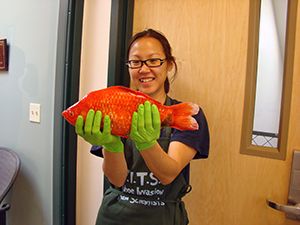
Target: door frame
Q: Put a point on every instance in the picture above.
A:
(67, 91)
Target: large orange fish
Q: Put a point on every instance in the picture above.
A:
(120, 102)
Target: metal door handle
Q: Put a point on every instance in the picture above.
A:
(292, 211)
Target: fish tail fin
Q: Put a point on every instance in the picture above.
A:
(182, 116)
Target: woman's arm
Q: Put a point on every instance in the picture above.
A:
(114, 164)
(145, 130)
(184, 145)
(167, 166)
(114, 167)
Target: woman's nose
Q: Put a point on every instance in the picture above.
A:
(144, 68)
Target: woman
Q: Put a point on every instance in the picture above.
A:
(149, 172)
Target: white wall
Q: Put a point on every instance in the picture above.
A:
(31, 29)
(93, 75)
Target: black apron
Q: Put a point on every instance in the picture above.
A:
(143, 200)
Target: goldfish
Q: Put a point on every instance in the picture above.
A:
(119, 103)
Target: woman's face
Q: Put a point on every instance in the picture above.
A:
(146, 79)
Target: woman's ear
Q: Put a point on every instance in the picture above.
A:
(170, 66)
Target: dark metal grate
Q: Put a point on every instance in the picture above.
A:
(264, 139)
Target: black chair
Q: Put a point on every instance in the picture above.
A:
(9, 168)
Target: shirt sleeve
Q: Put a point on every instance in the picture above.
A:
(197, 139)
(97, 151)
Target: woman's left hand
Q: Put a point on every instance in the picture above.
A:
(145, 126)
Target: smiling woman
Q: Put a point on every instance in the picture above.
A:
(211, 58)
(162, 136)
(150, 51)
(148, 79)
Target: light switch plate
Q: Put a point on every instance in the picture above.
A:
(35, 112)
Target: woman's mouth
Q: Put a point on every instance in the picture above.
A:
(145, 80)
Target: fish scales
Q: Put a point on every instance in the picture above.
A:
(119, 106)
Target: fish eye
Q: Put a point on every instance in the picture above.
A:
(71, 113)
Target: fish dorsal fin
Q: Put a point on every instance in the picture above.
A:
(126, 89)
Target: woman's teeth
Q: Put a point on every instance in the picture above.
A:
(143, 80)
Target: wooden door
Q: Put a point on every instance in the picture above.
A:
(209, 39)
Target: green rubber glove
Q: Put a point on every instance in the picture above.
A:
(145, 126)
(90, 131)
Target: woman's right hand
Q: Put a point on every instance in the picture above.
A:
(90, 131)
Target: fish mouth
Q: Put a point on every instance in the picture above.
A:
(146, 79)
(65, 114)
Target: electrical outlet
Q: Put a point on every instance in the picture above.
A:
(35, 112)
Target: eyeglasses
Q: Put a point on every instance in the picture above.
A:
(154, 62)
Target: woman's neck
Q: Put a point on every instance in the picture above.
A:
(160, 97)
